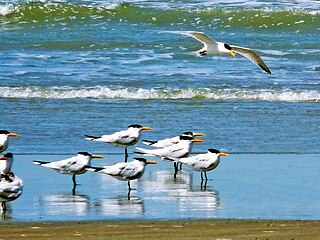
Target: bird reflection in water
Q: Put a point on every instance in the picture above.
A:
(181, 191)
(66, 204)
(120, 206)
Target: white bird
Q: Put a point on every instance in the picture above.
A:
(123, 138)
(6, 163)
(124, 171)
(170, 141)
(4, 139)
(182, 149)
(11, 188)
(212, 47)
(204, 162)
(74, 166)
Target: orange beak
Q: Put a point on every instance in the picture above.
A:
(13, 135)
(222, 154)
(197, 140)
(97, 156)
(147, 128)
(198, 134)
(151, 162)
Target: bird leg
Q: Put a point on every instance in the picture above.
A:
(175, 165)
(180, 166)
(129, 187)
(203, 53)
(204, 181)
(126, 154)
(74, 184)
(4, 209)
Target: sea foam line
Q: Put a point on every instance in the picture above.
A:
(99, 92)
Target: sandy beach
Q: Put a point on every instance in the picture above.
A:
(202, 229)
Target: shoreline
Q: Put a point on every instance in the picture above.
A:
(167, 229)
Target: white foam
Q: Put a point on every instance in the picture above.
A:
(286, 95)
(6, 9)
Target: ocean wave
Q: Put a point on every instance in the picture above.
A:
(34, 12)
(282, 95)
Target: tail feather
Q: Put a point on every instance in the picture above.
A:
(94, 169)
(40, 162)
(143, 151)
(90, 137)
(149, 142)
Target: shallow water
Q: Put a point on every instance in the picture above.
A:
(71, 68)
(244, 186)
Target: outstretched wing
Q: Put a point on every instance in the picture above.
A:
(252, 56)
(200, 36)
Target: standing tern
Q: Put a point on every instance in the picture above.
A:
(204, 162)
(170, 141)
(212, 47)
(172, 153)
(123, 138)
(74, 166)
(4, 139)
(10, 189)
(6, 163)
(124, 171)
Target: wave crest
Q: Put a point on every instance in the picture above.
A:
(286, 95)
(216, 17)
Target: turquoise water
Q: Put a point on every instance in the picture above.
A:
(71, 68)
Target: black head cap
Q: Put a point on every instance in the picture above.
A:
(227, 46)
(212, 150)
(85, 153)
(4, 132)
(188, 134)
(135, 126)
(141, 160)
(186, 138)
(8, 155)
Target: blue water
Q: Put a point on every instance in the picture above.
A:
(244, 186)
(70, 68)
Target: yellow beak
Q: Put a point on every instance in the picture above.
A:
(97, 156)
(197, 140)
(147, 128)
(232, 53)
(222, 154)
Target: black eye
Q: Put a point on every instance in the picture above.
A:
(227, 46)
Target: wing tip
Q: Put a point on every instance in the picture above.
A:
(265, 68)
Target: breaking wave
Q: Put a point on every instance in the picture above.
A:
(283, 95)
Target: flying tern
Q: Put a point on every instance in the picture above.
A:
(4, 139)
(124, 171)
(123, 138)
(74, 166)
(212, 47)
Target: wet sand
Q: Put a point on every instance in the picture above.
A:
(202, 229)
